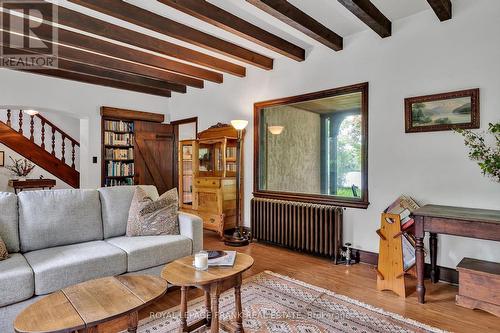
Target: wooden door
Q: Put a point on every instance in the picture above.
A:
(155, 155)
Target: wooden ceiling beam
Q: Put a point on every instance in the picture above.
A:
(97, 81)
(77, 67)
(160, 24)
(214, 15)
(291, 15)
(66, 37)
(442, 8)
(178, 82)
(366, 11)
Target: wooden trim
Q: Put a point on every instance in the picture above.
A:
(446, 274)
(321, 199)
(214, 15)
(124, 114)
(291, 15)
(474, 94)
(81, 41)
(367, 12)
(186, 121)
(442, 8)
(163, 25)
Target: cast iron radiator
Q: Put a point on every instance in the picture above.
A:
(310, 228)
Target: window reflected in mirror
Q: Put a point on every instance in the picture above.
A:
(315, 146)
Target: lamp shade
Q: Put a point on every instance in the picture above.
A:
(276, 130)
(239, 124)
(31, 112)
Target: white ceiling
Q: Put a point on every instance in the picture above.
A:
(329, 12)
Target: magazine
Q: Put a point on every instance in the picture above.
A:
(226, 260)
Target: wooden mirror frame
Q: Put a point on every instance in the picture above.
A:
(317, 198)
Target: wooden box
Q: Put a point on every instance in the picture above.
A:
(479, 285)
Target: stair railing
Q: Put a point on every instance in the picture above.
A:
(52, 129)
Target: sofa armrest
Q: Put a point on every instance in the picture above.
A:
(191, 226)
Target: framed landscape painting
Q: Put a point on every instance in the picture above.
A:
(442, 112)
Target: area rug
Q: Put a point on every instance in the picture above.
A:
(276, 303)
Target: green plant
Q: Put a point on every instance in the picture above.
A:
(486, 155)
(20, 168)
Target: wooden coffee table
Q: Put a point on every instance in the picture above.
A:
(213, 281)
(84, 306)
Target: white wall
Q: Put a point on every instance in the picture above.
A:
(423, 56)
(79, 100)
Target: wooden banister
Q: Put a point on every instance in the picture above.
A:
(57, 129)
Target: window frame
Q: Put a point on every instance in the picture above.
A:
(361, 202)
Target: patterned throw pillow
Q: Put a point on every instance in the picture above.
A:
(3, 250)
(151, 218)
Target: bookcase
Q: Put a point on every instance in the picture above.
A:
(118, 167)
(207, 177)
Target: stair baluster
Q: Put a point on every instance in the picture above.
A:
(8, 118)
(53, 141)
(32, 128)
(63, 145)
(20, 121)
(73, 155)
(43, 134)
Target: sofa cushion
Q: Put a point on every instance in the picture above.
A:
(9, 227)
(59, 217)
(115, 203)
(148, 217)
(16, 280)
(59, 267)
(149, 251)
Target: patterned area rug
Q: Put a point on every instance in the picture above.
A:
(276, 303)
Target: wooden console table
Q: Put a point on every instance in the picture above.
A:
(456, 221)
(20, 185)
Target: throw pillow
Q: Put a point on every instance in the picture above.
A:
(148, 217)
(3, 250)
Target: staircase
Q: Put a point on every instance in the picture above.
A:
(32, 144)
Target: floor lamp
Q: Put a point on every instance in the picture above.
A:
(238, 239)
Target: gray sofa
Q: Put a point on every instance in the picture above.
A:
(63, 237)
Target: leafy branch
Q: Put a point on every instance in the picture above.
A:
(486, 156)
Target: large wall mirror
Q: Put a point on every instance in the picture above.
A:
(314, 147)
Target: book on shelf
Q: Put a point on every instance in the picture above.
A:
(409, 257)
(226, 260)
(120, 169)
(403, 206)
(119, 154)
(118, 126)
(118, 139)
(118, 182)
(231, 152)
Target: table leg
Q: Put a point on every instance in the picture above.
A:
(214, 294)
(208, 308)
(90, 330)
(433, 252)
(239, 309)
(133, 322)
(184, 326)
(419, 251)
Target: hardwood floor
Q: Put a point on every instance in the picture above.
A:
(357, 281)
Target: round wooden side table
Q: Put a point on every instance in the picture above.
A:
(84, 306)
(213, 282)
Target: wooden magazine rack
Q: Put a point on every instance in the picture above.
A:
(390, 269)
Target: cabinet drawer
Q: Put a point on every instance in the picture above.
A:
(211, 221)
(207, 182)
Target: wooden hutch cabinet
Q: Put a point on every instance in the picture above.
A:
(213, 187)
